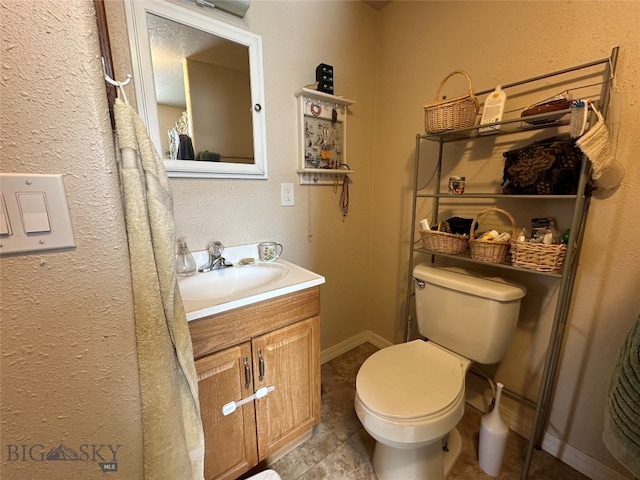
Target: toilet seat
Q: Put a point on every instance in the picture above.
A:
(410, 381)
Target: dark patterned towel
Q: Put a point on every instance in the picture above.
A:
(622, 416)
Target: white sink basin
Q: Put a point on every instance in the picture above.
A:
(229, 281)
(210, 293)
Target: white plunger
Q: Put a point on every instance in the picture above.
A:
(493, 438)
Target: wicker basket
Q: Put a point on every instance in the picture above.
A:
(449, 114)
(442, 242)
(491, 251)
(538, 256)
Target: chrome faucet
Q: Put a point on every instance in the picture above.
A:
(216, 260)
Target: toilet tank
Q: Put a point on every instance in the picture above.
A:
(465, 312)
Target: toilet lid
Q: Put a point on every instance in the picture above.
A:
(409, 380)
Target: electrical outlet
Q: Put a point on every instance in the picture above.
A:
(287, 194)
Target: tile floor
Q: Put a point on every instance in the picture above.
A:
(340, 448)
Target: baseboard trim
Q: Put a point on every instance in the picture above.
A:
(351, 343)
(517, 415)
(578, 460)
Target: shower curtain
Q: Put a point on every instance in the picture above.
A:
(172, 429)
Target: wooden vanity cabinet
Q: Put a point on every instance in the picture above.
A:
(292, 364)
(231, 437)
(283, 353)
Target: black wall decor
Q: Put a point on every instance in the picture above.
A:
(324, 77)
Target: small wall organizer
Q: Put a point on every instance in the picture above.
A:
(322, 127)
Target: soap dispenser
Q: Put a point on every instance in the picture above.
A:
(185, 264)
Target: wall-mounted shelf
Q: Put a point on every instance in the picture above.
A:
(322, 176)
(602, 69)
(322, 127)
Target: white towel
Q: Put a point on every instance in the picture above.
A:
(607, 172)
(172, 429)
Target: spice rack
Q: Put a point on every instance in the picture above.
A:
(322, 127)
(577, 207)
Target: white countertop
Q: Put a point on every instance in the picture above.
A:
(296, 279)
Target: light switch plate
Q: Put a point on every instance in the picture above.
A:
(37, 211)
(5, 224)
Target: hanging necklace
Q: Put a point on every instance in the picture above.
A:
(344, 197)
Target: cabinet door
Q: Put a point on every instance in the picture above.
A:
(288, 359)
(230, 441)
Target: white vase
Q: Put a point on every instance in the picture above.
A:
(493, 438)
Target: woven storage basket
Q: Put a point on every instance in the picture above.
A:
(538, 256)
(442, 242)
(491, 251)
(449, 114)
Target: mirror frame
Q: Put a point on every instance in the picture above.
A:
(136, 13)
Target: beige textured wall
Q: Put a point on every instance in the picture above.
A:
(313, 232)
(364, 258)
(69, 368)
(499, 42)
(68, 353)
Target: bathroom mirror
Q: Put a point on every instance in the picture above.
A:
(199, 90)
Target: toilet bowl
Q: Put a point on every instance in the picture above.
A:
(409, 398)
(266, 475)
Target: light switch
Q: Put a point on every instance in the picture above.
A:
(33, 210)
(35, 213)
(5, 224)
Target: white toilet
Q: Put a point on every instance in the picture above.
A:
(410, 397)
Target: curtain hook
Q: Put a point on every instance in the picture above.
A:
(113, 82)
